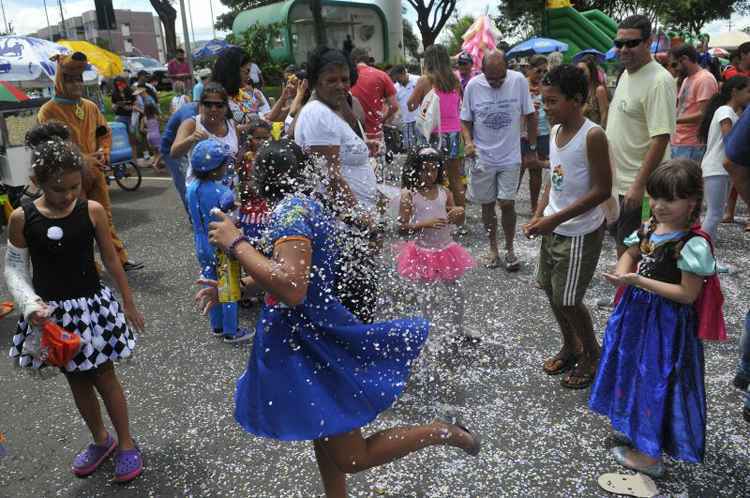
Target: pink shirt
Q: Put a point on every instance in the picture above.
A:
(175, 67)
(695, 90)
(450, 104)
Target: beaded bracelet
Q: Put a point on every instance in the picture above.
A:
(235, 243)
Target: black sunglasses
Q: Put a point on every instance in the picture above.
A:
(213, 103)
(628, 43)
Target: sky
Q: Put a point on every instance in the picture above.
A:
(27, 16)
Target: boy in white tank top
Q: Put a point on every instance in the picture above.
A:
(570, 218)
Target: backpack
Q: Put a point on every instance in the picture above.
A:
(708, 305)
(428, 117)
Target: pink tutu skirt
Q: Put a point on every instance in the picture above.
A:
(431, 265)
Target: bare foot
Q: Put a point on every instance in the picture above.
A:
(637, 459)
(458, 437)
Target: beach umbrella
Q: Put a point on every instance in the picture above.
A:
(600, 56)
(211, 49)
(11, 93)
(537, 46)
(729, 40)
(611, 54)
(107, 63)
(25, 61)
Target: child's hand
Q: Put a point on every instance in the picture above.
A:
(207, 297)
(134, 317)
(222, 232)
(38, 317)
(620, 279)
(435, 223)
(455, 214)
(539, 226)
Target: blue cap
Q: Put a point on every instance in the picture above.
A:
(208, 155)
(226, 201)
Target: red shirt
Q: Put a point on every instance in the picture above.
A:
(733, 71)
(175, 67)
(372, 88)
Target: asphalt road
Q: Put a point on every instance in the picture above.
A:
(539, 439)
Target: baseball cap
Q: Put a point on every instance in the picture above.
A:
(208, 155)
(204, 73)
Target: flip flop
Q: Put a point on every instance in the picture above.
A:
(566, 363)
(628, 484)
(6, 307)
(491, 262)
(586, 379)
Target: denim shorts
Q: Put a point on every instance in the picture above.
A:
(448, 144)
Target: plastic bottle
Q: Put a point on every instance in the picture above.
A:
(228, 268)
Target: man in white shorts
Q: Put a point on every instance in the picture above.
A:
(494, 107)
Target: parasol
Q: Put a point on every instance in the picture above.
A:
(108, 64)
(537, 46)
(11, 93)
(26, 59)
(481, 36)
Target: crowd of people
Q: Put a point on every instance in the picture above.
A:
(293, 194)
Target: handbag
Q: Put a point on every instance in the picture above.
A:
(58, 346)
(428, 117)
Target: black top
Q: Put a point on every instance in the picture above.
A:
(660, 261)
(62, 253)
(122, 98)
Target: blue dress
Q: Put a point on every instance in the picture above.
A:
(315, 370)
(650, 376)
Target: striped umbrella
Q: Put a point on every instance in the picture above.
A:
(11, 93)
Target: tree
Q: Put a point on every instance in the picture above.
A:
(411, 42)
(431, 18)
(225, 21)
(168, 17)
(456, 29)
(692, 15)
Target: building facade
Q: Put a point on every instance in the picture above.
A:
(137, 33)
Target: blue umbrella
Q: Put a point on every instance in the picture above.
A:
(24, 58)
(537, 46)
(211, 49)
(611, 54)
(589, 51)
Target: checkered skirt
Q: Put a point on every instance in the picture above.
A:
(98, 320)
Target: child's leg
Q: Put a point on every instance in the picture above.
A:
(535, 187)
(230, 318)
(351, 453)
(110, 390)
(82, 386)
(334, 480)
(457, 305)
(578, 320)
(731, 205)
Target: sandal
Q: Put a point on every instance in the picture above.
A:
(564, 363)
(128, 465)
(578, 379)
(492, 261)
(639, 485)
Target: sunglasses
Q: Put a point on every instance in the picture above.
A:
(213, 104)
(628, 43)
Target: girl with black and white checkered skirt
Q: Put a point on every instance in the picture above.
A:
(57, 232)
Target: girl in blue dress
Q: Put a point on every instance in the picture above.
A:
(650, 377)
(316, 372)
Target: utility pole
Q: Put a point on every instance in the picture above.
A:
(190, 15)
(186, 35)
(5, 21)
(62, 19)
(213, 19)
(46, 14)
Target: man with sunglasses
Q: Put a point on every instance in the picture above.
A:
(641, 120)
(698, 86)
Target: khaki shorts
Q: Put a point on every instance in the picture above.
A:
(567, 265)
(488, 184)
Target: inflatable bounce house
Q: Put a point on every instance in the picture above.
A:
(580, 30)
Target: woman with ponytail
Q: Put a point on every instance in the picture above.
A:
(722, 111)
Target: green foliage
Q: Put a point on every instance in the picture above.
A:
(224, 21)
(452, 36)
(257, 41)
(692, 15)
(411, 42)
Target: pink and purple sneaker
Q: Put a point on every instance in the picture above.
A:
(87, 461)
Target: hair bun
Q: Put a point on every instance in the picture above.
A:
(54, 130)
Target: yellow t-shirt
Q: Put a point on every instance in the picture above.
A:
(644, 106)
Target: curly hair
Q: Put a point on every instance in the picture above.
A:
(570, 80)
(411, 177)
(53, 154)
(280, 168)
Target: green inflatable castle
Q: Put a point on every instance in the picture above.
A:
(580, 30)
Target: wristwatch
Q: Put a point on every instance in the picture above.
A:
(532, 147)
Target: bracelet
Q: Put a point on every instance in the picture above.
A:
(235, 243)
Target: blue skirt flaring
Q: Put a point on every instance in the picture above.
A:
(650, 376)
(317, 372)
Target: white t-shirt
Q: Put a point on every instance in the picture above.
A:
(230, 140)
(177, 102)
(496, 114)
(318, 125)
(255, 72)
(570, 179)
(402, 95)
(713, 159)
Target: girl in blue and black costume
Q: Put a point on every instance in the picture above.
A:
(209, 162)
(650, 380)
(316, 372)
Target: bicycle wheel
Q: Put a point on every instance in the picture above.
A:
(32, 191)
(127, 175)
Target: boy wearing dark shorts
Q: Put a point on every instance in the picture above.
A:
(570, 218)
